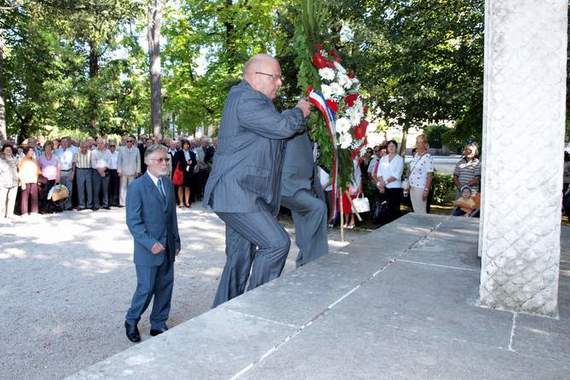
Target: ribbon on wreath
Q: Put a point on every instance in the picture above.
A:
(318, 100)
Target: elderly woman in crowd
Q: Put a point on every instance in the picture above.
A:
(8, 182)
(28, 173)
(50, 168)
(468, 169)
(185, 160)
(420, 175)
(389, 176)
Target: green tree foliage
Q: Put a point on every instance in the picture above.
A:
(72, 65)
(207, 44)
(420, 60)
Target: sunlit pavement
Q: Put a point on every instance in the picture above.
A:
(67, 280)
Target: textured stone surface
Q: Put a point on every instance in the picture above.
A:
(343, 318)
(525, 84)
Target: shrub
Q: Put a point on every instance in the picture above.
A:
(443, 189)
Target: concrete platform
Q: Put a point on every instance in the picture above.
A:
(399, 303)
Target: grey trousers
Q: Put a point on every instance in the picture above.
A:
(67, 182)
(84, 188)
(7, 201)
(157, 282)
(100, 190)
(310, 219)
(255, 242)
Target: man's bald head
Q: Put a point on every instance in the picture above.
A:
(263, 74)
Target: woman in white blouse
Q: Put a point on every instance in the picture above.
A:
(421, 175)
(389, 174)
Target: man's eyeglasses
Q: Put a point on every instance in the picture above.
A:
(273, 76)
(160, 160)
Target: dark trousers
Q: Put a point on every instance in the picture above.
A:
(31, 191)
(157, 282)
(394, 198)
(310, 218)
(46, 206)
(66, 180)
(255, 242)
(100, 189)
(84, 188)
(114, 187)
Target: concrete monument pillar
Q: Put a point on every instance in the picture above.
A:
(523, 142)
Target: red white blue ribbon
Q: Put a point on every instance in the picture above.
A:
(318, 100)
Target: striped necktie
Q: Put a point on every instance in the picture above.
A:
(161, 189)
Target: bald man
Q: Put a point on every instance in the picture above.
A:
(244, 185)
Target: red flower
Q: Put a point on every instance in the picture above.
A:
(321, 62)
(332, 105)
(360, 130)
(350, 99)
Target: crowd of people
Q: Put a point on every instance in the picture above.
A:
(95, 172)
(389, 183)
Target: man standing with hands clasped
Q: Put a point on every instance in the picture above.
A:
(151, 218)
(244, 185)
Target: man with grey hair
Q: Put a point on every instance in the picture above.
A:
(101, 161)
(128, 167)
(244, 185)
(151, 219)
(66, 156)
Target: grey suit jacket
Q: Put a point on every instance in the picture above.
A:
(299, 169)
(150, 220)
(246, 175)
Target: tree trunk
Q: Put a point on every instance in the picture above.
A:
(404, 140)
(3, 134)
(93, 72)
(154, 16)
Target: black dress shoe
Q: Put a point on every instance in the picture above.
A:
(132, 332)
(154, 332)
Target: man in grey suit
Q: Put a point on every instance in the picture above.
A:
(301, 192)
(151, 218)
(244, 185)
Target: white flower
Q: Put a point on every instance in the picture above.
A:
(355, 113)
(339, 68)
(346, 34)
(345, 140)
(327, 74)
(327, 91)
(337, 90)
(355, 84)
(355, 119)
(343, 125)
(344, 80)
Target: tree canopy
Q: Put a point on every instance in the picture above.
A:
(82, 65)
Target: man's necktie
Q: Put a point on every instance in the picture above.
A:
(161, 190)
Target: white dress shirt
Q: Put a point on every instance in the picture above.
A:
(393, 168)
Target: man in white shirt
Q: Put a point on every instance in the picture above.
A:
(113, 175)
(100, 161)
(128, 167)
(66, 156)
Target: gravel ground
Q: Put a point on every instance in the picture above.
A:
(67, 280)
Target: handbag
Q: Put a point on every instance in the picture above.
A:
(58, 193)
(360, 205)
(177, 176)
(381, 212)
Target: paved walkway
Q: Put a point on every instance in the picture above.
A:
(66, 283)
(399, 303)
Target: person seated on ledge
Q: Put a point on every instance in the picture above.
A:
(468, 204)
